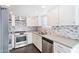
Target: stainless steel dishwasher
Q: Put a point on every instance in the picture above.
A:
(47, 45)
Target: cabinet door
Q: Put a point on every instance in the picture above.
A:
(32, 21)
(34, 39)
(44, 21)
(39, 20)
(35, 21)
(53, 17)
(77, 14)
(37, 41)
(59, 48)
(66, 15)
(29, 38)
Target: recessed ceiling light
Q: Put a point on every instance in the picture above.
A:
(43, 6)
(8, 5)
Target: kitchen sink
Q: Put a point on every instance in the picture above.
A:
(42, 33)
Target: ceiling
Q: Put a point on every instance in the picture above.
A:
(30, 10)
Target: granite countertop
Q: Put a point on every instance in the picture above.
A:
(64, 41)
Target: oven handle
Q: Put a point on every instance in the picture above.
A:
(20, 35)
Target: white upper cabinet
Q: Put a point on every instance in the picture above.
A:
(32, 21)
(53, 17)
(44, 21)
(67, 15)
(63, 15)
(77, 14)
(39, 21)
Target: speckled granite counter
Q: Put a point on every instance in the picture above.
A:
(67, 42)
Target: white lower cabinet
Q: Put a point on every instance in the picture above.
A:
(59, 48)
(29, 38)
(37, 41)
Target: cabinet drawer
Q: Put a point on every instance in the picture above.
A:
(61, 48)
(57, 50)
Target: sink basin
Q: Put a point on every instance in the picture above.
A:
(42, 33)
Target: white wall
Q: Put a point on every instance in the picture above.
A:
(29, 10)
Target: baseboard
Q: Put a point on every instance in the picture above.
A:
(21, 47)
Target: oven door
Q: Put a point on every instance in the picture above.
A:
(20, 40)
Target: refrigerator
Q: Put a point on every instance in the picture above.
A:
(4, 29)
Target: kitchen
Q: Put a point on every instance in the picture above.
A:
(43, 29)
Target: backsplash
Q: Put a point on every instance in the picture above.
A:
(67, 31)
(43, 29)
(20, 25)
(27, 29)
